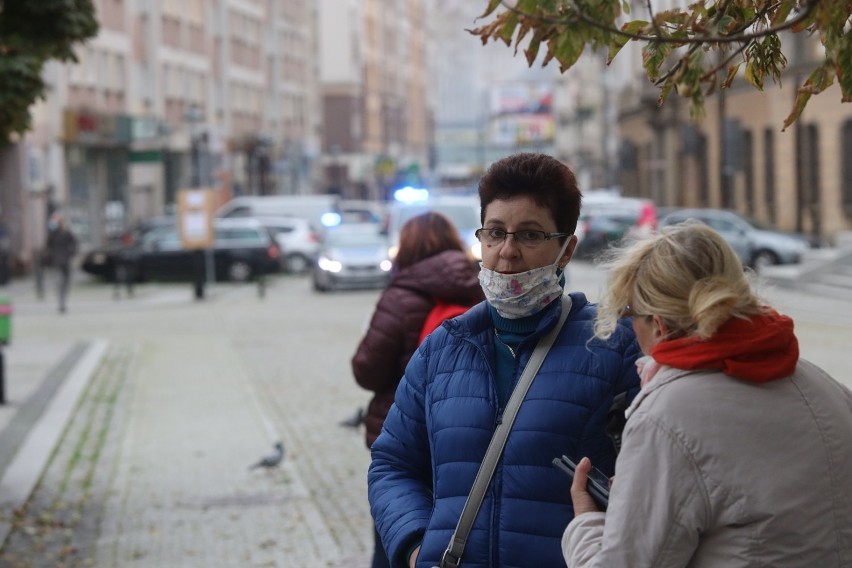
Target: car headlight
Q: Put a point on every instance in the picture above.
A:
(329, 265)
(99, 258)
(386, 265)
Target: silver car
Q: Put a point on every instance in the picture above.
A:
(756, 243)
(352, 256)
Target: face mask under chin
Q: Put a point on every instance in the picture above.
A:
(523, 294)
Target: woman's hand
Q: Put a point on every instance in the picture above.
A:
(412, 560)
(583, 502)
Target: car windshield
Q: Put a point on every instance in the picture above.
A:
(757, 223)
(353, 239)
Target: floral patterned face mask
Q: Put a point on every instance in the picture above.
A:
(522, 294)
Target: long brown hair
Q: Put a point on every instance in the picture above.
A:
(424, 236)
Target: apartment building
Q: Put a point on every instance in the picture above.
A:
(173, 94)
(376, 93)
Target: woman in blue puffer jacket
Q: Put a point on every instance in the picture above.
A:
(457, 383)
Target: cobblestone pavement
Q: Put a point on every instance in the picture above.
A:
(153, 468)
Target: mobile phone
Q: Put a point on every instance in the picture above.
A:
(597, 485)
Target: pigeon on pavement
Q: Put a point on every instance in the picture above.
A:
(355, 420)
(272, 460)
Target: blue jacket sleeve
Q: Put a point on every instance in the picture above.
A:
(629, 381)
(399, 478)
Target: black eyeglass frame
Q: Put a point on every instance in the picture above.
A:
(547, 236)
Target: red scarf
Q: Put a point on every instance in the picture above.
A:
(760, 349)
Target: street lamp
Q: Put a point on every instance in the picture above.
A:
(194, 115)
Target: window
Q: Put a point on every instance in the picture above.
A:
(748, 169)
(769, 169)
(846, 172)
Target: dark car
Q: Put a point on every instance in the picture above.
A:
(607, 221)
(244, 249)
(103, 261)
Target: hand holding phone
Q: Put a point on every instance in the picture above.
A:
(597, 484)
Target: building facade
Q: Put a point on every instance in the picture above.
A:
(374, 65)
(173, 94)
(738, 156)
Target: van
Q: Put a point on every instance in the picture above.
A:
(310, 207)
(463, 211)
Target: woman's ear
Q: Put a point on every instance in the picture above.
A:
(569, 251)
(661, 330)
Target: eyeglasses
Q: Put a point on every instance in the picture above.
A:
(628, 312)
(527, 237)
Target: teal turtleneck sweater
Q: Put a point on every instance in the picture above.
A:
(509, 334)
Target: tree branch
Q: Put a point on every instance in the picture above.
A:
(579, 15)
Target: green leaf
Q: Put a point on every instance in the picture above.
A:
(531, 52)
(635, 27)
(508, 28)
(569, 47)
(843, 66)
(492, 5)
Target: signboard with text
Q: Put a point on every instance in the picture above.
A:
(195, 218)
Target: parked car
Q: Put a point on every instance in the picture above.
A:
(353, 256)
(243, 250)
(756, 243)
(609, 219)
(103, 261)
(299, 242)
(463, 211)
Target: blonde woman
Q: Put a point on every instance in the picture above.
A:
(736, 451)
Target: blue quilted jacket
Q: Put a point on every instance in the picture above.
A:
(445, 412)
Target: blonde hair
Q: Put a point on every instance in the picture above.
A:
(687, 274)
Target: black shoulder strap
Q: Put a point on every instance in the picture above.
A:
(615, 420)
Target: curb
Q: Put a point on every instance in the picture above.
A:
(25, 469)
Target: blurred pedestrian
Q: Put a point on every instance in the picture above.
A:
(61, 248)
(456, 386)
(431, 266)
(736, 452)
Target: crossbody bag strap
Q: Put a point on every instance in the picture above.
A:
(452, 556)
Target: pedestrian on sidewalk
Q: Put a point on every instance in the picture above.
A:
(736, 452)
(458, 383)
(61, 248)
(431, 266)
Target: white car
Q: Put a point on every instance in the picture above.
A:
(299, 242)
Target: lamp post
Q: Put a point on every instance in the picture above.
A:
(194, 115)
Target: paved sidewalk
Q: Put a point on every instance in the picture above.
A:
(173, 399)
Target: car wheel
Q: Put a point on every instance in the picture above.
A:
(239, 271)
(763, 258)
(319, 287)
(297, 263)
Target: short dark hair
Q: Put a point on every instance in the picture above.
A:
(424, 236)
(549, 182)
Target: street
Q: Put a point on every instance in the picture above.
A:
(153, 468)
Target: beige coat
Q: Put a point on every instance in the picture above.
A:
(718, 472)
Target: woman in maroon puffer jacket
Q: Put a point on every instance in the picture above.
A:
(431, 265)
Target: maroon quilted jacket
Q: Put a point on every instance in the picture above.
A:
(391, 339)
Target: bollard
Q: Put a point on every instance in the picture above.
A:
(5, 337)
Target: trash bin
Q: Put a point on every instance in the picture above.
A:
(5, 320)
